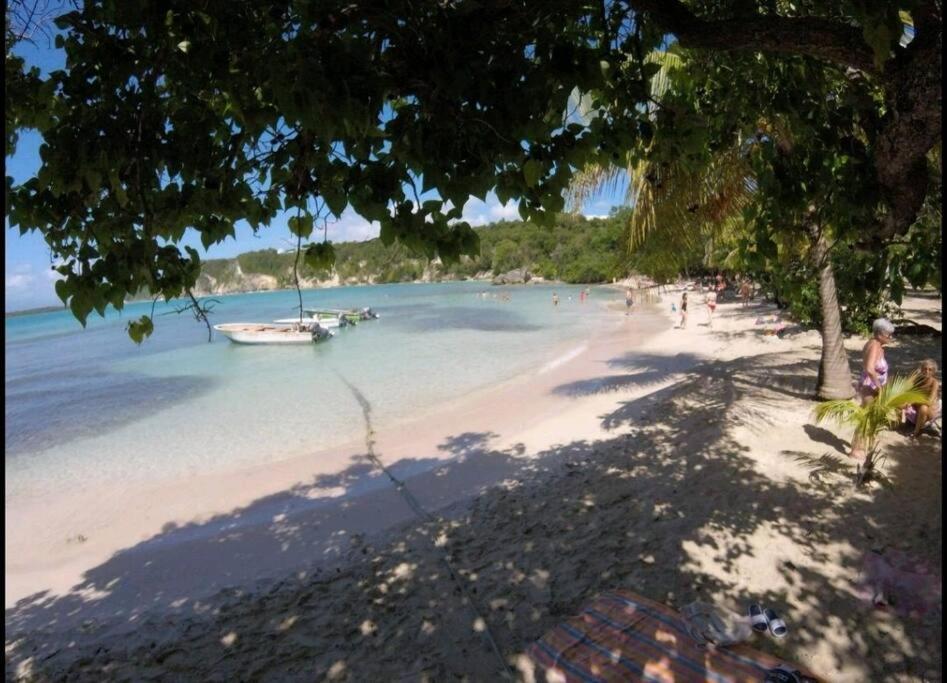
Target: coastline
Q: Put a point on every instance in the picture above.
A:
(56, 541)
(683, 467)
(326, 284)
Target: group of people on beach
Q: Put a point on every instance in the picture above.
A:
(713, 290)
(874, 375)
(583, 295)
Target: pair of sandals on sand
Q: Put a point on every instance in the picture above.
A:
(707, 623)
(764, 619)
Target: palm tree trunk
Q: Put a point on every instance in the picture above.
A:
(835, 376)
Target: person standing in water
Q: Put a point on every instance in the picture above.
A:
(629, 300)
(555, 299)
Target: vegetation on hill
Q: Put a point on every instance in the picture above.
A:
(574, 249)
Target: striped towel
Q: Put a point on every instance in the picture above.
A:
(622, 636)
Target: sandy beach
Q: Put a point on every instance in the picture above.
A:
(682, 464)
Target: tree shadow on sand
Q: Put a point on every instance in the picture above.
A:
(667, 510)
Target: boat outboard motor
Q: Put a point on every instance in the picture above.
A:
(368, 313)
(319, 333)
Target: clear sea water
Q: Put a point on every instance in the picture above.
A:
(87, 405)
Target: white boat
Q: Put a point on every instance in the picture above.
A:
(328, 322)
(264, 333)
(353, 315)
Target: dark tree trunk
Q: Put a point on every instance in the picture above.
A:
(835, 377)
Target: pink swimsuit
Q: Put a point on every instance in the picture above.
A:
(881, 368)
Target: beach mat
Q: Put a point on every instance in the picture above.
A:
(622, 636)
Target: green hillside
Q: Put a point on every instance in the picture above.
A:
(575, 249)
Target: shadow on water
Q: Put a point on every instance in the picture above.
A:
(50, 410)
(543, 534)
(466, 318)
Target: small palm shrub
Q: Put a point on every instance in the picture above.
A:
(870, 420)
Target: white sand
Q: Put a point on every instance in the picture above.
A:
(680, 468)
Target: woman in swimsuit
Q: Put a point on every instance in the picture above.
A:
(921, 413)
(874, 373)
(711, 306)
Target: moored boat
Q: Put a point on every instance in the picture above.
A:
(265, 333)
(352, 314)
(330, 322)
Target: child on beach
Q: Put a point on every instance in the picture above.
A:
(683, 310)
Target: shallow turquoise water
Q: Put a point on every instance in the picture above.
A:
(87, 406)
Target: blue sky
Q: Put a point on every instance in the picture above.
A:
(29, 280)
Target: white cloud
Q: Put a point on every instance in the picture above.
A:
(20, 277)
(510, 211)
(477, 212)
(352, 228)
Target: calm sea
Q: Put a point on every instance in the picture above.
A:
(87, 405)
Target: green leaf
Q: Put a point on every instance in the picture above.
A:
(880, 38)
(335, 200)
(320, 256)
(81, 305)
(503, 194)
(387, 233)
(62, 290)
(532, 171)
(300, 226)
(140, 329)
(649, 69)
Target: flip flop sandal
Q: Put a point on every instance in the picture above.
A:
(776, 625)
(757, 620)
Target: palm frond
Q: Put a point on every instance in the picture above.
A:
(688, 203)
(592, 181)
(869, 420)
(682, 198)
(668, 61)
(899, 392)
(842, 411)
(596, 180)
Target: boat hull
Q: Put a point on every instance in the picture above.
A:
(328, 323)
(259, 334)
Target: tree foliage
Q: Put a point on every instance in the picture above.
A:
(751, 159)
(573, 249)
(197, 115)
